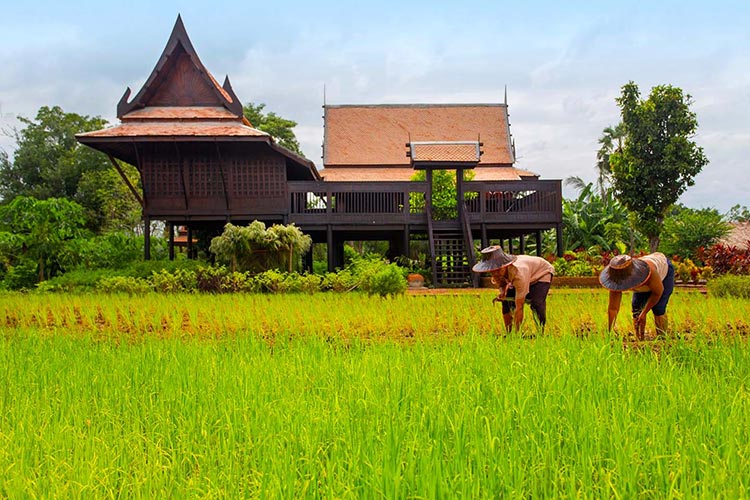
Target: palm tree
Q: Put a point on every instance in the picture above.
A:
(611, 141)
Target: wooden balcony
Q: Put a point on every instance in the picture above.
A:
(533, 202)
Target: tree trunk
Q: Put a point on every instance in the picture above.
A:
(653, 243)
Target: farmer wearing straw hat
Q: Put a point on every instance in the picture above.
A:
(651, 278)
(520, 278)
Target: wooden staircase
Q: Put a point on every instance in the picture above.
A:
(451, 246)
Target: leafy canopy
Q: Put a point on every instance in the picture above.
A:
(281, 129)
(50, 163)
(41, 229)
(688, 229)
(658, 160)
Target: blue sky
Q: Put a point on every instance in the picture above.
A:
(563, 64)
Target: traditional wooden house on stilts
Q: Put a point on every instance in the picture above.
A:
(201, 165)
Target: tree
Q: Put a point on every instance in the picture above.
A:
(110, 206)
(688, 229)
(592, 221)
(611, 141)
(444, 193)
(43, 228)
(658, 160)
(738, 213)
(50, 163)
(279, 128)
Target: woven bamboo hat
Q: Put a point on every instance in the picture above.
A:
(624, 273)
(493, 258)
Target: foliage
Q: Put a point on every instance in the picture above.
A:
(255, 249)
(112, 250)
(124, 284)
(738, 213)
(179, 281)
(341, 281)
(658, 161)
(209, 279)
(387, 281)
(50, 163)
(581, 262)
(444, 193)
(725, 259)
(688, 272)
(110, 206)
(592, 221)
(730, 286)
(43, 228)
(281, 129)
(687, 229)
(611, 141)
(78, 280)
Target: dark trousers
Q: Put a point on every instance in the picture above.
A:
(537, 299)
(641, 298)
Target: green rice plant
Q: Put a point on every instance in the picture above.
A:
(350, 396)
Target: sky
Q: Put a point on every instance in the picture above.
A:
(563, 64)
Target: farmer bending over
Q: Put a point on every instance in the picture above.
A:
(651, 278)
(520, 278)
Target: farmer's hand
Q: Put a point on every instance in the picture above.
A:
(640, 320)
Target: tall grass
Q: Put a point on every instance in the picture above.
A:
(349, 397)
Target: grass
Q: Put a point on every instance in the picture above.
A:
(348, 397)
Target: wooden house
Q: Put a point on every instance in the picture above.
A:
(202, 164)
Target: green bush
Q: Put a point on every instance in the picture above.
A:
(730, 286)
(124, 284)
(388, 280)
(181, 280)
(80, 280)
(342, 281)
(23, 275)
(209, 279)
(146, 268)
(239, 282)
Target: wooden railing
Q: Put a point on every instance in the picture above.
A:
(514, 201)
(527, 201)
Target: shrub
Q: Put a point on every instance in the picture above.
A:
(124, 284)
(210, 279)
(342, 281)
(21, 276)
(388, 280)
(80, 280)
(725, 259)
(181, 280)
(730, 286)
(310, 283)
(239, 282)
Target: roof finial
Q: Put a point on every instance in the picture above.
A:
(506, 96)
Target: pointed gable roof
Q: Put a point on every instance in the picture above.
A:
(180, 79)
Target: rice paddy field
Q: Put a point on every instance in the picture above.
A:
(345, 396)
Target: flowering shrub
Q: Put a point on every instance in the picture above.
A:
(724, 259)
(580, 263)
(687, 271)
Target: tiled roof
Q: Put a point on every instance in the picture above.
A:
(176, 129)
(445, 152)
(406, 173)
(738, 236)
(377, 135)
(180, 113)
